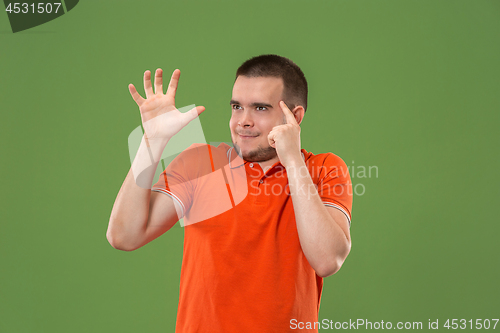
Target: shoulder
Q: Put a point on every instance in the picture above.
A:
(203, 158)
(326, 166)
(197, 150)
(324, 159)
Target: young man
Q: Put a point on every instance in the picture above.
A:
(265, 221)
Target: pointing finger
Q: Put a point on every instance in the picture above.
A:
(290, 118)
(135, 95)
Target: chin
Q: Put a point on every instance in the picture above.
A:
(256, 155)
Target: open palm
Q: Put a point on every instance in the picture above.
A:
(160, 117)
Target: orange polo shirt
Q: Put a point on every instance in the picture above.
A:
(243, 269)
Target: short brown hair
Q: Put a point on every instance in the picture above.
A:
(294, 81)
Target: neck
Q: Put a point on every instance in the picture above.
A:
(265, 165)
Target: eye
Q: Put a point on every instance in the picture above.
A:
(236, 107)
(261, 108)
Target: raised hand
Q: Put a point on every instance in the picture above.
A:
(160, 117)
(285, 138)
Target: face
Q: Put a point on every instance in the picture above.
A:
(255, 111)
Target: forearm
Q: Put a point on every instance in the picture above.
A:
(323, 241)
(129, 216)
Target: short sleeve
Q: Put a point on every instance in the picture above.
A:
(176, 180)
(334, 184)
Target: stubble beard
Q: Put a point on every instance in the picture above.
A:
(257, 155)
(260, 154)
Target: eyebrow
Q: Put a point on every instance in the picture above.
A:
(255, 104)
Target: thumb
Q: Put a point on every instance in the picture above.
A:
(193, 113)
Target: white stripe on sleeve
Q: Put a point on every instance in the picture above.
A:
(331, 204)
(174, 197)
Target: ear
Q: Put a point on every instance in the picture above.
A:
(298, 112)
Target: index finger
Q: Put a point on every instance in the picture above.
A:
(290, 118)
(174, 81)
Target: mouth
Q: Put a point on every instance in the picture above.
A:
(246, 136)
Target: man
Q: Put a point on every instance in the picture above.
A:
(264, 222)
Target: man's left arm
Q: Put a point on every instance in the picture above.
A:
(323, 231)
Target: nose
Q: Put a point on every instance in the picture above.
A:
(245, 120)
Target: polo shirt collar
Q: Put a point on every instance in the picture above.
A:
(235, 161)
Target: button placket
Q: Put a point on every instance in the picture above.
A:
(254, 185)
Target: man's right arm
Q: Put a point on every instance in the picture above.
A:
(140, 215)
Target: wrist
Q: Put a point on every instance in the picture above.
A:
(146, 160)
(294, 161)
(154, 142)
(296, 167)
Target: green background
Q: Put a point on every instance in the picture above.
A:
(408, 86)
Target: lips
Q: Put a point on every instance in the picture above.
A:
(247, 135)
